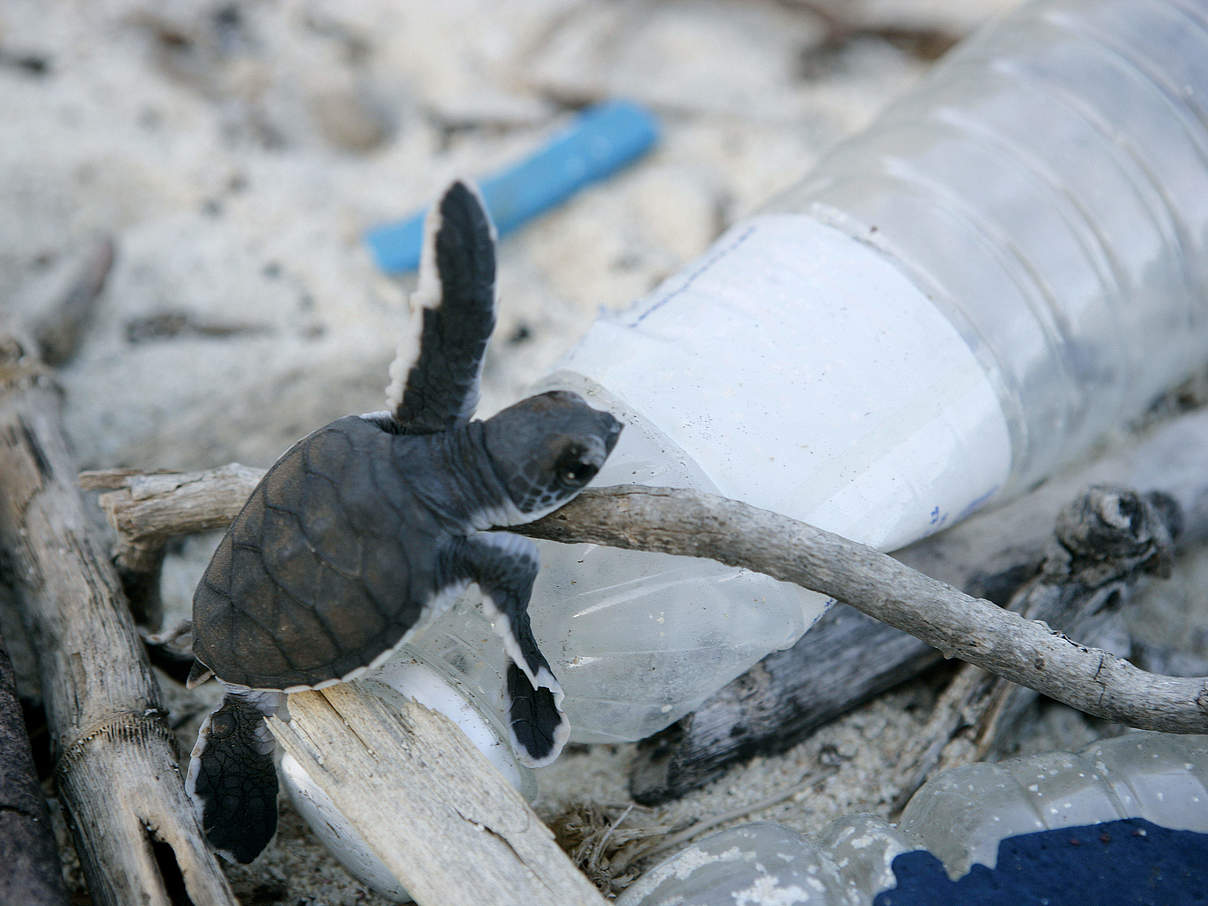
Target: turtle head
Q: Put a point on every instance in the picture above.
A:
(546, 448)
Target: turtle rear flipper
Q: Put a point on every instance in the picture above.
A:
(232, 777)
(435, 376)
(539, 728)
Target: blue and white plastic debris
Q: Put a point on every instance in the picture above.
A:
(600, 141)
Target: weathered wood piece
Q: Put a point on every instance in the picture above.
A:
(32, 874)
(848, 658)
(975, 630)
(116, 771)
(164, 502)
(441, 818)
(148, 509)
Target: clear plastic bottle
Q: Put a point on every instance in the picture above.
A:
(1009, 262)
(961, 817)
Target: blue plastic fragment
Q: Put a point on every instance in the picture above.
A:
(1130, 861)
(600, 141)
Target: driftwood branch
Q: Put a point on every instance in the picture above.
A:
(116, 766)
(198, 501)
(975, 630)
(153, 508)
(441, 818)
(848, 658)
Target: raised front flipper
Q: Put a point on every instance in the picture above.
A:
(434, 378)
(504, 566)
(232, 778)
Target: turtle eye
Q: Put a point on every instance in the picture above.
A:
(574, 467)
(577, 473)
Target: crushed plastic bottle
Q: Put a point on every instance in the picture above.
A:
(1141, 784)
(1010, 261)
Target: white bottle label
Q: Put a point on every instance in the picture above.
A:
(806, 374)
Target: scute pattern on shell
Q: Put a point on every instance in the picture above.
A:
(317, 577)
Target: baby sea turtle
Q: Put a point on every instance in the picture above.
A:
(369, 527)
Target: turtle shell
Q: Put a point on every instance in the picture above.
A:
(329, 564)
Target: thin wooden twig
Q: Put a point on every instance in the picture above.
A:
(168, 502)
(698, 525)
(974, 630)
